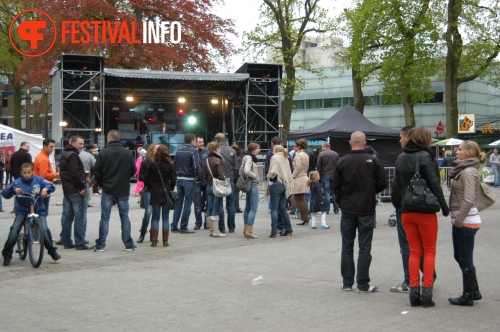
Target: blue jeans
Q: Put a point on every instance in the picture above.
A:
(348, 225)
(463, 246)
(327, 184)
(278, 207)
(73, 209)
(85, 207)
(185, 192)
(123, 207)
(252, 202)
(144, 139)
(214, 203)
(231, 211)
(199, 201)
(496, 172)
(165, 211)
(148, 210)
(16, 227)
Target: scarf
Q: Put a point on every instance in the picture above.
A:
(460, 165)
(412, 147)
(280, 168)
(254, 158)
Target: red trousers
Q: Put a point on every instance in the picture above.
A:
(421, 231)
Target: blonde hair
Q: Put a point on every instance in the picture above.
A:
(313, 176)
(278, 148)
(472, 149)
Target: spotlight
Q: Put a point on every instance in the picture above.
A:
(129, 98)
(181, 100)
(214, 101)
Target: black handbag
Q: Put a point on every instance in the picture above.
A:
(141, 200)
(244, 182)
(170, 196)
(418, 196)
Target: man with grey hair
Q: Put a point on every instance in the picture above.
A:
(358, 178)
(114, 167)
(229, 167)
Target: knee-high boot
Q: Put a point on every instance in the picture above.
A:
(154, 238)
(415, 296)
(209, 224)
(426, 297)
(215, 227)
(477, 293)
(165, 238)
(466, 299)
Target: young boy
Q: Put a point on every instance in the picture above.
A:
(28, 183)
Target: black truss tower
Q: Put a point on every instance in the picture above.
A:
(256, 109)
(77, 98)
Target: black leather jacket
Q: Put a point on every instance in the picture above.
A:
(405, 169)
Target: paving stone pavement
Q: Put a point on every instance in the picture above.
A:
(204, 283)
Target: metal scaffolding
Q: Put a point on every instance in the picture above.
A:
(256, 115)
(77, 98)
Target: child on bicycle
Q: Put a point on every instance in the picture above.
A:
(30, 184)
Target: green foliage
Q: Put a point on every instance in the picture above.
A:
(396, 42)
(283, 26)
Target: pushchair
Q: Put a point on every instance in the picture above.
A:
(392, 219)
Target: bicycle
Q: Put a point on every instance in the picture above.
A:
(31, 239)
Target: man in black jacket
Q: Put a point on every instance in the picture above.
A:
(113, 169)
(20, 157)
(72, 176)
(358, 178)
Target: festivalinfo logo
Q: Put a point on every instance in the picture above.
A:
(32, 26)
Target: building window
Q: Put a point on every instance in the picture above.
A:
(298, 104)
(5, 102)
(437, 98)
(314, 103)
(347, 101)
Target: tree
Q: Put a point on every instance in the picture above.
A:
(10, 60)
(283, 25)
(203, 44)
(470, 57)
(395, 41)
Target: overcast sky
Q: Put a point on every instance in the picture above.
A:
(246, 14)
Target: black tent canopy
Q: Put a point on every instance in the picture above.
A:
(343, 124)
(339, 127)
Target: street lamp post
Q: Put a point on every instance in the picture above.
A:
(36, 93)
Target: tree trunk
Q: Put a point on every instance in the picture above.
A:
(359, 98)
(453, 56)
(17, 106)
(408, 107)
(287, 102)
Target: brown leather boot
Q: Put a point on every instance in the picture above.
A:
(154, 238)
(165, 238)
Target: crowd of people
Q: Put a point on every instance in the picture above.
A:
(297, 178)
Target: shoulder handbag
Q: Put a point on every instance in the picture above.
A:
(170, 196)
(221, 188)
(486, 198)
(418, 196)
(244, 182)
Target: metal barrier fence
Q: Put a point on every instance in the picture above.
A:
(383, 196)
(443, 171)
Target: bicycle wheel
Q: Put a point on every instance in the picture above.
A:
(22, 242)
(35, 244)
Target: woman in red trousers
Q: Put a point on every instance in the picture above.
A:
(421, 228)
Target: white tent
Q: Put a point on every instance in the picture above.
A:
(10, 139)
